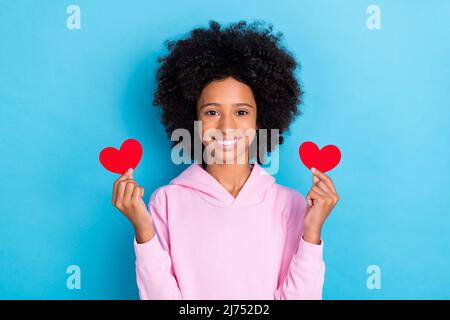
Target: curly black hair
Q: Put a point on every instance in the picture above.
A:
(248, 52)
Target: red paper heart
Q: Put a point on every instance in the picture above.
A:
(118, 161)
(323, 159)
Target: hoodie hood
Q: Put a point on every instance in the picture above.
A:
(252, 192)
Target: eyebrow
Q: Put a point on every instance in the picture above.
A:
(239, 104)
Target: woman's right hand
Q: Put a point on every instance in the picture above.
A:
(127, 197)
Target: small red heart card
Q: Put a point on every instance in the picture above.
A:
(118, 161)
(323, 159)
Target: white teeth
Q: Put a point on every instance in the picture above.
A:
(227, 142)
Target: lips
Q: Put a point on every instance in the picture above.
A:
(226, 143)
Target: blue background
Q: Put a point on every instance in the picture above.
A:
(382, 96)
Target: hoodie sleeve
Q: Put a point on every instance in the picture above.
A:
(302, 270)
(154, 272)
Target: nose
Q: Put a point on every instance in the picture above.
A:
(227, 124)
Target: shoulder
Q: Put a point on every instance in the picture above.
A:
(287, 193)
(294, 202)
(160, 195)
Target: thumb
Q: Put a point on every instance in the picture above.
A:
(315, 179)
(129, 173)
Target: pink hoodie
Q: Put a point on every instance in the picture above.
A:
(210, 245)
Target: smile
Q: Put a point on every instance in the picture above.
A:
(227, 143)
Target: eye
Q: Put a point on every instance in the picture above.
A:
(211, 112)
(244, 112)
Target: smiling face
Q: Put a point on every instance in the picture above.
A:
(227, 109)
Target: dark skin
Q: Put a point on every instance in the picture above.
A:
(225, 107)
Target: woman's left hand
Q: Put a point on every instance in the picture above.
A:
(321, 200)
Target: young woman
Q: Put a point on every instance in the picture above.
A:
(225, 229)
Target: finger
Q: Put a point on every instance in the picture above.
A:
(315, 179)
(330, 194)
(114, 193)
(128, 193)
(137, 193)
(314, 196)
(127, 175)
(324, 177)
(123, 177)
(130, 174)
(322, 194)
(121, 190)
(324, 187)
(319, 191)
(309, 199)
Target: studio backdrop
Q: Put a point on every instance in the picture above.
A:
(79, 76)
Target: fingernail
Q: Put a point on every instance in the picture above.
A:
(313, 169)
(130, 170)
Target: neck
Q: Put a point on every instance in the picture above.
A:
(231, 176)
